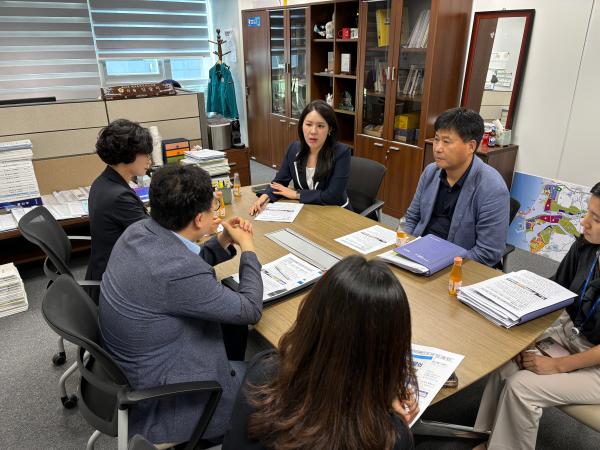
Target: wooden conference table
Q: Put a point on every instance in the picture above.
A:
(438, 319)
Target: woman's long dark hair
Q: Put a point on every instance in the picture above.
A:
(343, 362)
(325, 158)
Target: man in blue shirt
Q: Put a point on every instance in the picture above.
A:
(460, 198)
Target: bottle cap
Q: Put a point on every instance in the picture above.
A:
(458, 260)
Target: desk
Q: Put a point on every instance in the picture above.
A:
(439, 320)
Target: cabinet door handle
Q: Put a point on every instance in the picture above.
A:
(377, 144)
(396, 149)
(387, 72)
(282, 121)
(393, 73)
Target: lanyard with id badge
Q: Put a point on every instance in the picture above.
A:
(576, 329)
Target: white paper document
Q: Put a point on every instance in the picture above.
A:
(285, 274)
(369, 240)
(398, 260)
(7, 222)
(280, 212)
(515, 297)
(433, 367)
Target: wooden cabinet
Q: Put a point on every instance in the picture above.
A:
(411, 55)
(399, 160)
(500, 158)
(256, 72)
(239, 161)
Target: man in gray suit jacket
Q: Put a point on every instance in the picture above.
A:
(161, 306)
(460, 198)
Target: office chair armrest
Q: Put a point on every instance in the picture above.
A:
(509, 248)
(88, 283)
(80, 238)
(127, 398)
(374, 207)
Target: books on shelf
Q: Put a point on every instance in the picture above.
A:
(18, 184)
(13, 298)
(420, 33)
(515, 298)
(414, 81)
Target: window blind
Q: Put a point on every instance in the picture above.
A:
(129, 29)
(47, 49)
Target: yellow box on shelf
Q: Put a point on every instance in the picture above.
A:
(408, 120)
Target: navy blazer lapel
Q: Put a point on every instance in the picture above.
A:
(300, 174)
(464, 199)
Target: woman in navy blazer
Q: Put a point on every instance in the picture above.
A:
(318, 164)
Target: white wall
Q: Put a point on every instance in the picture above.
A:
(558, 107)
(223, 18)
(580, 160)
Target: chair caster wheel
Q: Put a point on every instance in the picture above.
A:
(69, 402)
(59, 359)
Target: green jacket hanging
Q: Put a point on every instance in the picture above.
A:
(221, 92)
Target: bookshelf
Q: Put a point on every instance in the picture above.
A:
(326, 62)
(407, 59)
(411, 63)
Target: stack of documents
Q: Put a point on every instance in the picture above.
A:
(18, 185)
(67, 204)
(515, 298)
(425, 255)
(13, 298)
(213, 161)
(369, 240)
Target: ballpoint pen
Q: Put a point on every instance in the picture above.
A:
(373, 237)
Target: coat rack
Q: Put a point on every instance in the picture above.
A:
(219, 43)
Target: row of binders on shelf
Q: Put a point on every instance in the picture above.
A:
(13, 298)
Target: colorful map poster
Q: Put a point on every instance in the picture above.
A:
(548, 220)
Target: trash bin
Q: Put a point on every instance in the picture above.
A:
(220, 136)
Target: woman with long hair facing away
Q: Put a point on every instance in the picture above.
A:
(516, 394)
(342, 377)
(318, 164)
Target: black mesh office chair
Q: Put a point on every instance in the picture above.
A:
(39, 227)
(105, 391)
(365, 180)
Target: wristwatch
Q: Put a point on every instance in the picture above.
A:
(297, 195)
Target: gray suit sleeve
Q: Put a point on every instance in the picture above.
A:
(413, 213)
(213, 253)
(201, 296)
(491, 227)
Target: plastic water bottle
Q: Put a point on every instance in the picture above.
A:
(237, 186)
(456, 277)
(401, 234)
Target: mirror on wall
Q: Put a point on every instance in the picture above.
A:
(496, 63)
